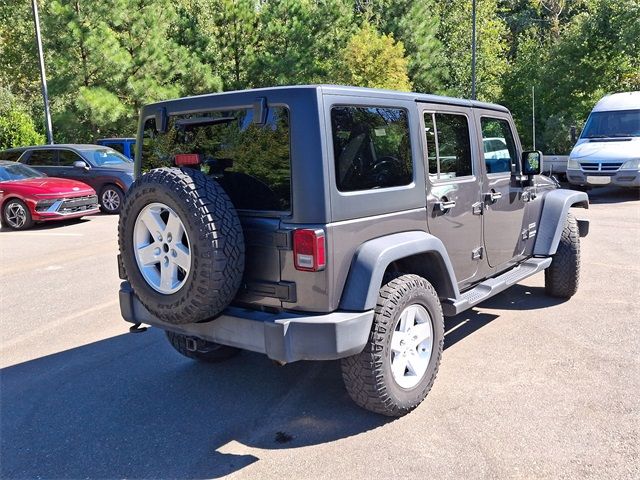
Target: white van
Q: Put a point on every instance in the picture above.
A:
(608, 150)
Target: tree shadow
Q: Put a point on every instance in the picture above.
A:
(131, 407)
(51, 225)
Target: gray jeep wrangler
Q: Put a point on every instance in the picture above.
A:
(327, 222)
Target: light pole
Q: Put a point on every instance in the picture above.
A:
(473, 50)
(43, 77)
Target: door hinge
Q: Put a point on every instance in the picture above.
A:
(529, 232)
(478, 208)
(477, 253)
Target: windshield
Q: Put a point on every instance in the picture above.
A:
(108, 157)
(621, 123)
(17, 171)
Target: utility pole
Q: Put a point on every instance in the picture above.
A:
(533, 114)
(473, 50)
(43, 77)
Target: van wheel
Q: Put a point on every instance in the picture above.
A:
(398, 366)
(198, 349)
(181, 245)
(562, 277)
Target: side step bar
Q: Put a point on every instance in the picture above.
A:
(493, 286)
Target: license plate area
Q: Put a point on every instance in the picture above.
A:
(598, 180)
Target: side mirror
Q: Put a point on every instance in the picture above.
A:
(574, 135)
(531, 163)
(81, 164)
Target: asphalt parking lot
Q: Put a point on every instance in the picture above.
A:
(529, 387)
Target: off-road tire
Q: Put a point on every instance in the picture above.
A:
(216, 242)
(205, 352)
(28, 221)
(367, 375)
(561, 278)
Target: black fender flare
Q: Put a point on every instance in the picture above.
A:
(554, 210)
(374, 256)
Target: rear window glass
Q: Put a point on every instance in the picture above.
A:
(251, 161)
(43, 158)
(371, 147)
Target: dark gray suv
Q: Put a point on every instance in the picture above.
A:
(326, 222)
(107, 171)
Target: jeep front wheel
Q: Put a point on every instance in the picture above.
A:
(562, 276)
(398, 366)
(181, 245)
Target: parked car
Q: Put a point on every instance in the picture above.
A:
(125, 146)
(28, 196)
(327, 222)
(109, 173)
(608, 150)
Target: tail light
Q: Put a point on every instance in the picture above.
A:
(187, 159)
(309, 250)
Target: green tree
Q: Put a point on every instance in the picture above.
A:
(17, 128)
(455, 35)
(298, 41)
(375, 60)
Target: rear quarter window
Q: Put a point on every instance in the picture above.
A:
(371, 147)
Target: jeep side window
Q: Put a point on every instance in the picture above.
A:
(498, 145)
(448, 145)
(371, 147)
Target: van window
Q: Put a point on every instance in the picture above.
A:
(498, 145)
(371, 147)
(621, 123)
(448, 145)
(251, 161)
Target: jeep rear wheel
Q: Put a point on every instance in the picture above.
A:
(198, 349)
(398, 366)
(562, 277)
(181, 245)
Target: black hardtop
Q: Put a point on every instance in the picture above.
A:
(196, 102)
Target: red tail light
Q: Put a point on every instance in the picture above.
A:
(309, 250)
(187, 159)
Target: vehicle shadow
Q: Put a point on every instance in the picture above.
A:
(605, 195)
(131, 407)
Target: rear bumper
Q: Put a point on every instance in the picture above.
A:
(285, 337)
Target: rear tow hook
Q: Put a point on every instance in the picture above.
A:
(136, 328)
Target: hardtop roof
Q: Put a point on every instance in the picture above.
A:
(347, 91)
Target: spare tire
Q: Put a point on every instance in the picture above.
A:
(181, 245)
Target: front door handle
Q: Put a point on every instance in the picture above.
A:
(493, 196)
(445, 205)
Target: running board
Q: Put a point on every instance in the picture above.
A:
(493, 286)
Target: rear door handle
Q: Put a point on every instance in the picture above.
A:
(444, 206)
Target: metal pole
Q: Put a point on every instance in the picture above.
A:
(473, 50)
(533, 114)
(43, 76)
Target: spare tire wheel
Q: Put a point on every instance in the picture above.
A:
(181, 245)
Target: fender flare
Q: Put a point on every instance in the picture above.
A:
(554, 210)
(373, 257)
